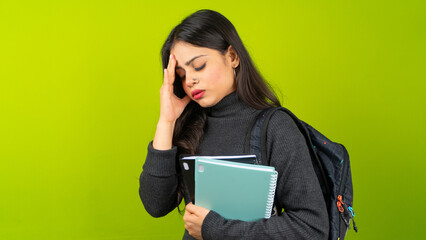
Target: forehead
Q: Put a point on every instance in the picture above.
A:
(184, 52)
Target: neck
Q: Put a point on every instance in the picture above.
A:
(229, 105)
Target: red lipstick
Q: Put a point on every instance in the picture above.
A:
(197, 94)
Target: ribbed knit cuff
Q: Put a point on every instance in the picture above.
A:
(160, 163)
(209, 229)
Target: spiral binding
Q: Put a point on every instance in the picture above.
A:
(271, 195)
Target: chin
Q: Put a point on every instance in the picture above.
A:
(206, 103)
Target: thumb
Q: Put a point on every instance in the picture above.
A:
(190, 207)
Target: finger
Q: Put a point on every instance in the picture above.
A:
(171, 69)
(194, 210)
(190, 208)
(165, 77)
(190, 219)
(185, 217)
(187, 213)
(199, 211)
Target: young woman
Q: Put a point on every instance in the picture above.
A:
(210, 95)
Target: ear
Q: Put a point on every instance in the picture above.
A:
(232, 57)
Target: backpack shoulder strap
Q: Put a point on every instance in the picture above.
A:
(256, 140)
(253, 143)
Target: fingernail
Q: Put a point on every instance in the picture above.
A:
(171, 56)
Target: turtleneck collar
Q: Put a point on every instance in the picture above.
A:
(229, 105)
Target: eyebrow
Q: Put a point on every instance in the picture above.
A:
(190, 61)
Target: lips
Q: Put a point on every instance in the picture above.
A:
(197, 94)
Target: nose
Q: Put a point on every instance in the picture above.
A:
(191, 80)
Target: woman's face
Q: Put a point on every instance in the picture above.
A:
(207, 75)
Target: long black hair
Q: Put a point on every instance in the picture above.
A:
(210, 29)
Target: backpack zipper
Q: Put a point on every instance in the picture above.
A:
(341, 206)
(345, 172)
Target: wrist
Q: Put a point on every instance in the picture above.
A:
(166, 123)
(164, 135)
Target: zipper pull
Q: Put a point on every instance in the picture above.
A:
(353, 223)
(340, 203)
(351, 210)
(346, 214)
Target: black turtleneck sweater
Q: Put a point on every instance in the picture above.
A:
(298, 191)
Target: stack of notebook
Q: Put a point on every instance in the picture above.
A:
(233, 189)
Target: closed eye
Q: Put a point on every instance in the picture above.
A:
(200, 68)
(196, 69)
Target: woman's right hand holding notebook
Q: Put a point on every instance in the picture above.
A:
(194, 217)
(171, 107)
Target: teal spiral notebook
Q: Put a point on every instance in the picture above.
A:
(235, 190)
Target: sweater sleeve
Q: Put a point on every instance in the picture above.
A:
(158, 182)
(298, 192)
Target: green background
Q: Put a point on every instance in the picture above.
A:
(79, 101)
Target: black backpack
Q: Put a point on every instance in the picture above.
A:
(331, 164)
